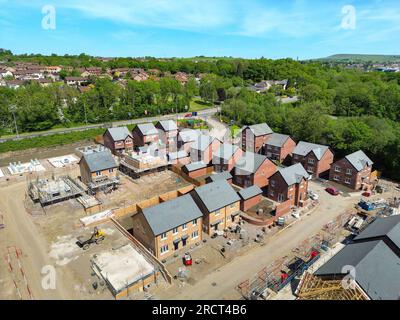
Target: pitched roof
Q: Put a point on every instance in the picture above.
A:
(195, 166)
(260, 129)
(168, 125)
(202, 142)
(226, 151)
(170, 214)
(377, 268)
(293, 174)
(304, 148)
(381, 227)
(119, 133)
(359, 160)
(217, 195)
(177, 155)
(277, 139)
(147, 129)
(188, 135)
(98, 161)
(224, 175)
(249, 163)
(250, 192)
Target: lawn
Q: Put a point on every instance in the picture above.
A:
(197, 105)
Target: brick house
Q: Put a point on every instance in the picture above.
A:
(118, 140)
(168, 133)
(353, 171)
(169, 226)
(186, 138)
(145, 133)
(97, 165)
(315, 158)
(253, 169)
(220, 205)
(203, 148)
(279, 147)
(225, 158)
(224, 175)
(195, 169)
(254, 137)
(289, 184)
(250, 197)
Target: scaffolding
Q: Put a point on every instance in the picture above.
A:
(315, 288)
(50, 191)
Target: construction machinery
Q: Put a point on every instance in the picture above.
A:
(97, 237)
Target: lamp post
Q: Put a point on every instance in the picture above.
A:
(12, 109)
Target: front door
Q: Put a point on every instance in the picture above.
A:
(176, 246)
(183, 242)
(216, 227)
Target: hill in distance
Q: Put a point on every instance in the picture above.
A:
(376, 58)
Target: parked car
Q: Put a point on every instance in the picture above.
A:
(313, 195)
(332, 190)
(188, 115)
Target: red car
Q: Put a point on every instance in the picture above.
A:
(333, 191)
(188, 115)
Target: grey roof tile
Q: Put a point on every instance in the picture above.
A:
(359, 160)
(250, 192)
(225, 151)
(147, 129)
(98, 161)
(277, 139)
(225, 175)
(304, 148)
(260, 129)
(168, 125)
(119, 133)
(293, 174)
(249, 163)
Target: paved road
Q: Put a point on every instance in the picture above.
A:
(278, 246)
(205, 112)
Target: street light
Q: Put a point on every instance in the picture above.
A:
(12, 109)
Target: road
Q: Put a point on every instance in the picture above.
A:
(246, 266)
(203, 113)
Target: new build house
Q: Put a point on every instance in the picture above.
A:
(196, 169)
(315, 158)
(168, 133)
(186, 138)
(225, 158)
(220, 205)
(203, 148)
(353, 171)
(249, 197)
(224, 175)
(279, 147)
(145, 133)
(169, 226)
(97, 166)
(254, 137)
(253, 169)
(289, 185)
(118, 140)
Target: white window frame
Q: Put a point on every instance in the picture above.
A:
(349, 171)
(272, 182)
(164, 249)
(184, 226)
(218, 212)
(336, 178)
(311, 161)
(281, 197)
(347, 181)
(175, 230)
(163, 236)
(197, 234)
(194, 222)
(338, 169)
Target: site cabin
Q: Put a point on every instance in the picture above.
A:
(118, 140)
(186, 138)
(253, 169)
(250, 197)
(315, 158)
(224, 176)
(203, 148)
(97, 165)
(220, 205)
(289, 185)
(279, 147)
(196, 169)
(254, 137)
(225, 158)
(169, 227)
(168, 133)
(353, 171)
(145, 134)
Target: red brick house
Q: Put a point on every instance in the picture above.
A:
(289, 184)
(253, 169)
(118, 140)
(168, 133)
(254, 137)
(250, 197)
(353, 171)
(203, 148)
(225, 158)
(145, 133)
(315, 158)
(279, 147)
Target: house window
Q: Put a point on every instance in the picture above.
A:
(110, 170)
(336, 178)
(347, 180)
(348, 171)
(272, 193)
(184, 226)
(310, 169)
(311, 161)
(337, 169)
(98, 173)
(194, 222)
(175, 231)
(164, 236)
(272, 182)
(164, 249)
(195, 234)
(280, 197)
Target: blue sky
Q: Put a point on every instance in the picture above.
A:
(185, 28)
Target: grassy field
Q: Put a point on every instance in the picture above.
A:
(197, 105)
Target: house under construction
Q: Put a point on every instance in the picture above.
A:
(50, 191)
(137, 165)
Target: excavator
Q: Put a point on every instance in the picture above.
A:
(97, 237)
